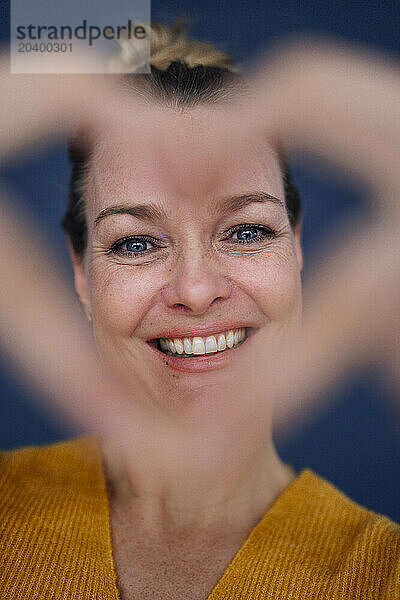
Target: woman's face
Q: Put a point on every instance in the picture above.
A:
(171, 256)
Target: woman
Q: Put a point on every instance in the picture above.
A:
(192, 286)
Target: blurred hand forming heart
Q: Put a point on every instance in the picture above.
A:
(339, 102)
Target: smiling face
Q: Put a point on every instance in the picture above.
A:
(215, 267)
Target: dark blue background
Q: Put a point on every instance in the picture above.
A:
(355, 442)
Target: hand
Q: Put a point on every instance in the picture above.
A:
(296, 99)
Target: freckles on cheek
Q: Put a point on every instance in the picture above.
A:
(121, 298)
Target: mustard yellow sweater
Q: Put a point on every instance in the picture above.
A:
(55, 539)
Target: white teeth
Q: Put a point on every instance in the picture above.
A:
(230, 338)
(178, 345)
(207, 345)
(198, 345)
(221, 342)
(187, 346)
(211, 344)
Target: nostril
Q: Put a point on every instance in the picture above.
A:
(217, 300)
(183, 308)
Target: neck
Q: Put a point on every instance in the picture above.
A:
(237, 487)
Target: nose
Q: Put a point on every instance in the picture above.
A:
(195, 285)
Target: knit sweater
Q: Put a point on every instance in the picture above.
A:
(55, 538)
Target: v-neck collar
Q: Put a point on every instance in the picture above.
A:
(55, 535)
(241, 567)
(240, 576)
(55, 517)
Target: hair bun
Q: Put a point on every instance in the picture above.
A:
(169, 43)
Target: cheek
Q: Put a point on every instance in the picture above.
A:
(273, 281)
(121, 295)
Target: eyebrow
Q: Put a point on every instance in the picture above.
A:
(153, 213)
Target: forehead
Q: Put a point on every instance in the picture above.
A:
(165, 169)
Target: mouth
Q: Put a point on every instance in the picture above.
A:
(200, 353)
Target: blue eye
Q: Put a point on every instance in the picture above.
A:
(136, 245)
(247, 234)
(133, 246)
(251, 233)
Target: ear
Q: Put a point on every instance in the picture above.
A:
(297, 231)
(80, 279)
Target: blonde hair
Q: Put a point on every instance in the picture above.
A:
(168, 43)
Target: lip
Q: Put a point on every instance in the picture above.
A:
(205, 362)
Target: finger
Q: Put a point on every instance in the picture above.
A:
(351, 317)
(38, 106)
(339, 100)
(331, 99)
